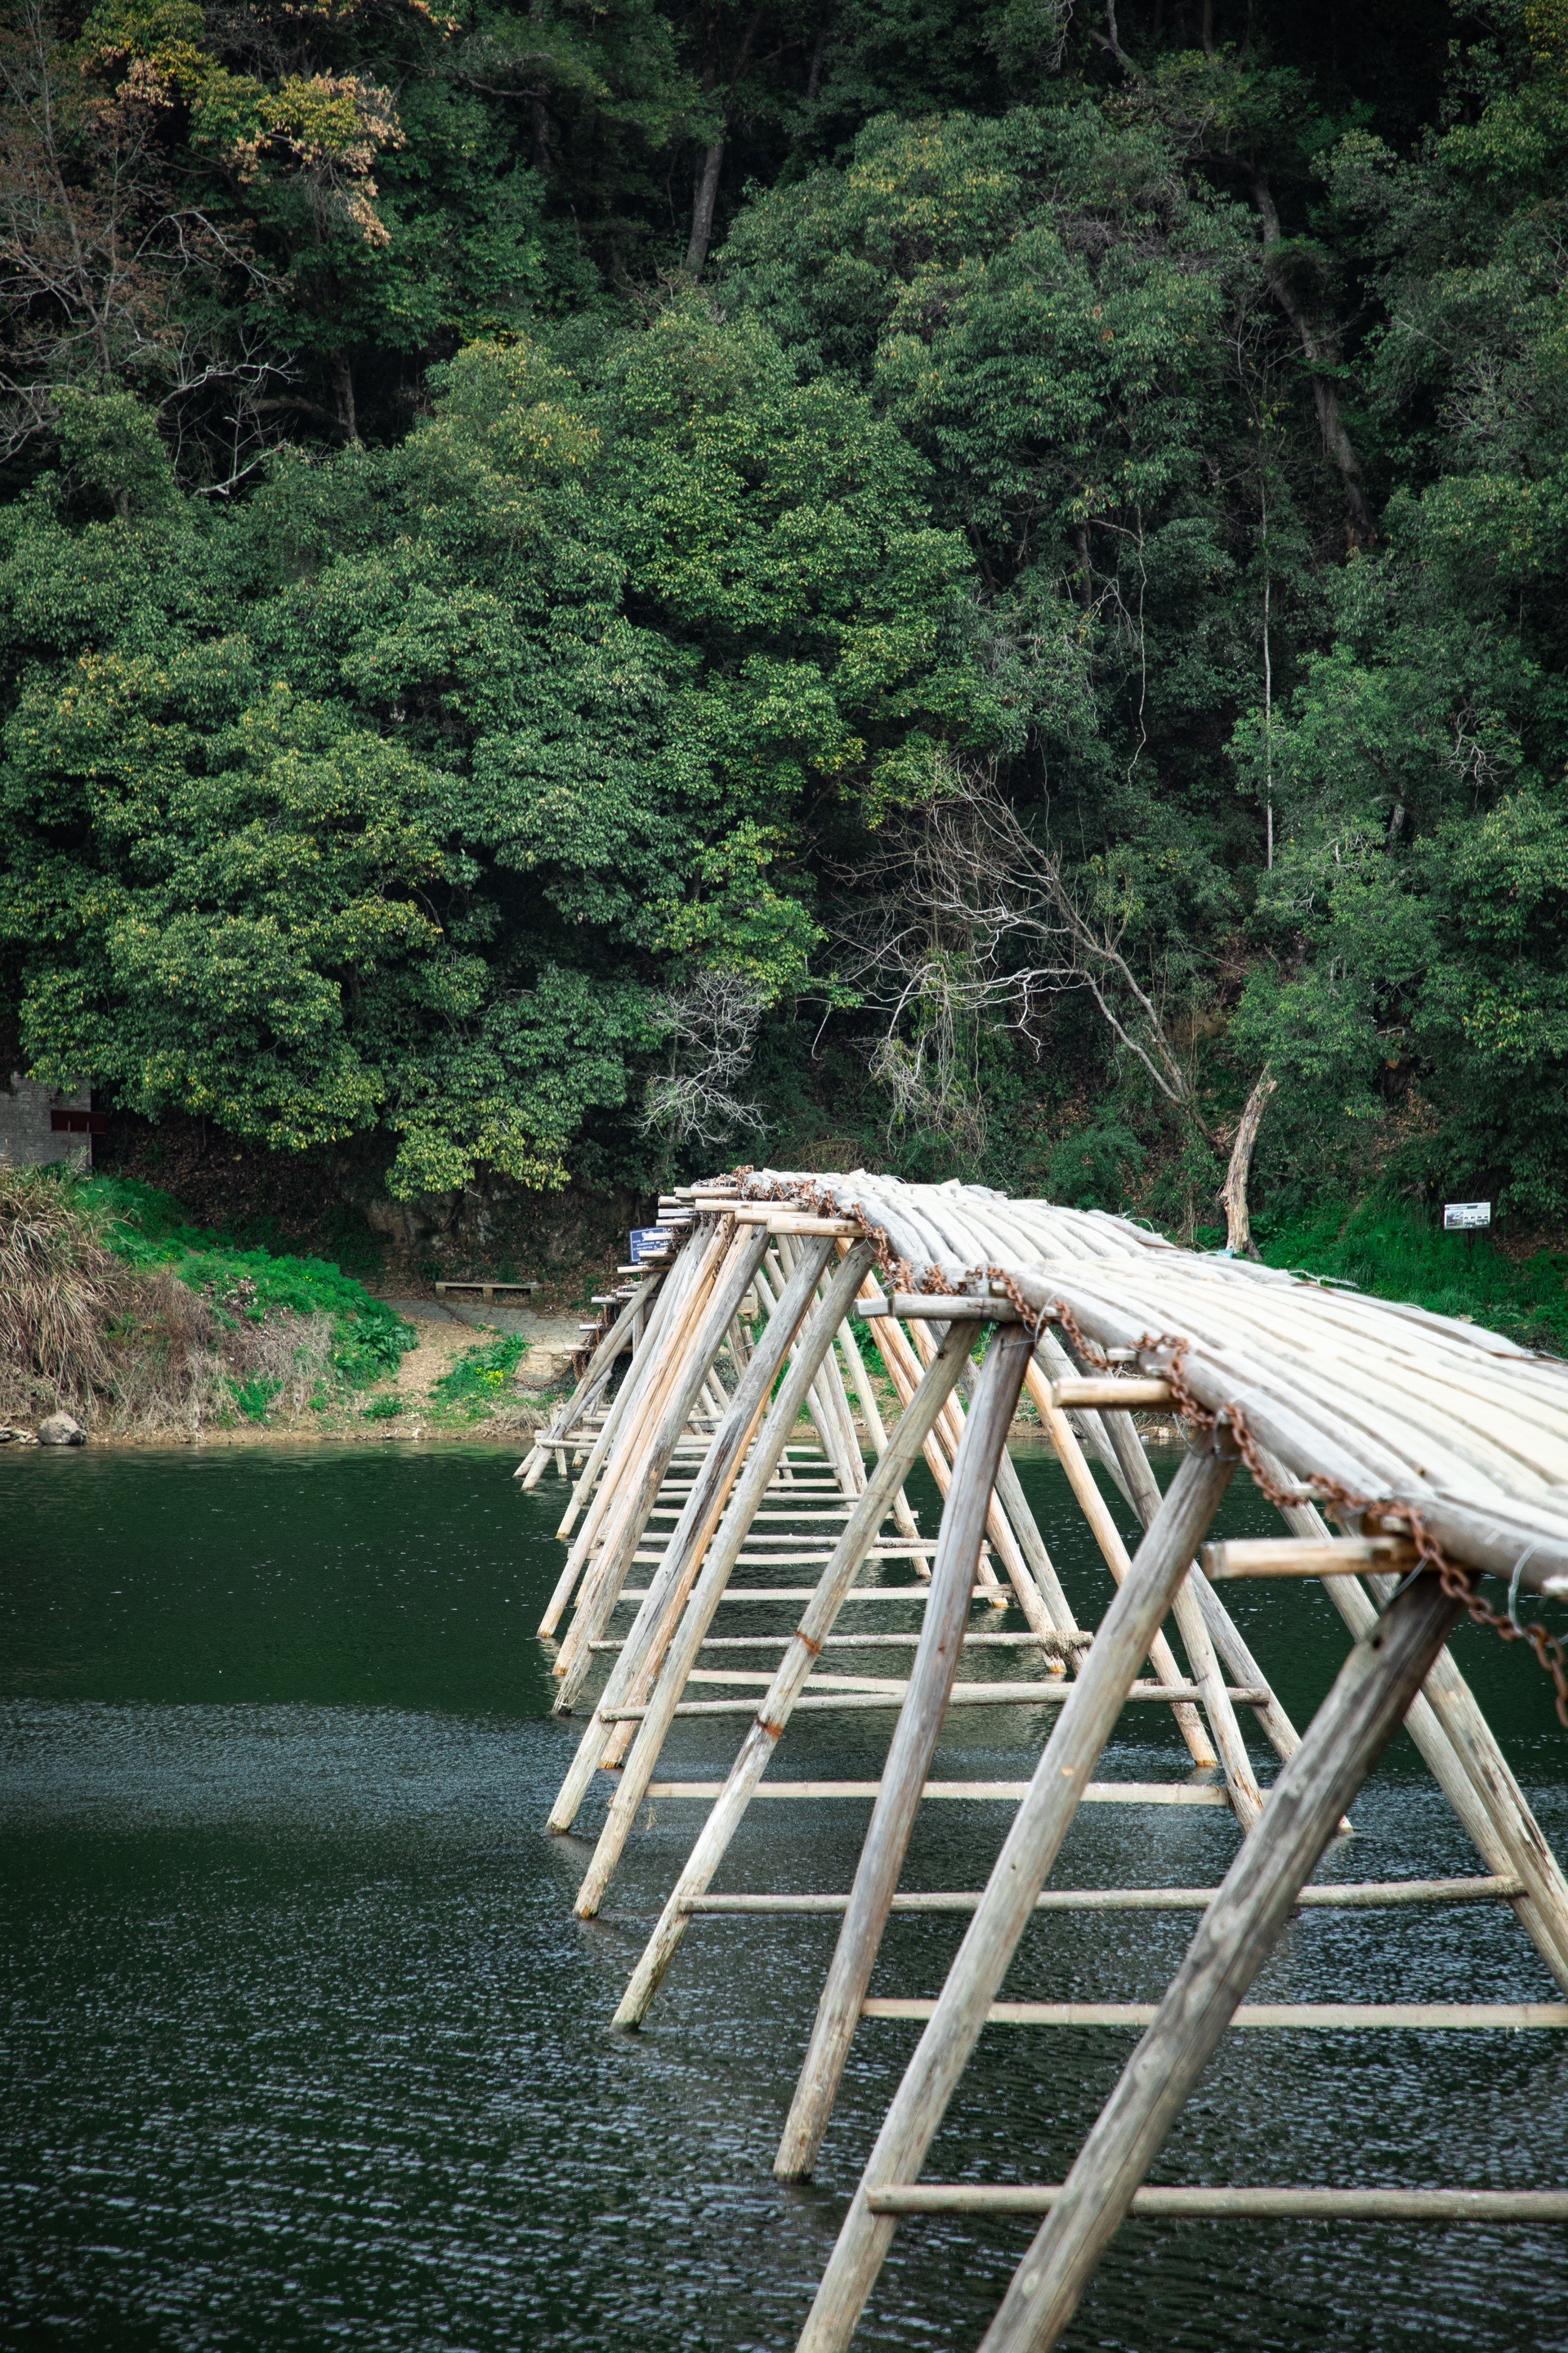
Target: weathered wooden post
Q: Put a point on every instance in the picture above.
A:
(913, 1745)
(901, 1451)
(1238, 1933)
(815, 1340)
(1087, 1718)
(682, 1552)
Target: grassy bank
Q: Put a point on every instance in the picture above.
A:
(1390, 1249)
(116, 1308)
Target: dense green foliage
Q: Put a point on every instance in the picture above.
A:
(519, 525)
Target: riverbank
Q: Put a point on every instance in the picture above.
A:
(149, 1330)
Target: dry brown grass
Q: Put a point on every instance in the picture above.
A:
(129, 1347)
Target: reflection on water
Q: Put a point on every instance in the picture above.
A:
(303, 2046)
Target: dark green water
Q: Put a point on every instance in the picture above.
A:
(302, 2046)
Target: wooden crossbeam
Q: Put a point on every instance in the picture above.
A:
(1423, 2017)
(1305, 1556)
(1351, 1894)
(964, 1694)
(1179, 2204)
(1093, 1793)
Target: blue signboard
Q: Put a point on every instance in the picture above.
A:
(649, 1239)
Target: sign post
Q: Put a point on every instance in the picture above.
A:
(1465, 1217)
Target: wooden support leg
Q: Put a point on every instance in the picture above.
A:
(871, 1412)
(671, 1582)
(1132, 1471)
(1042, 1822)
(908, 1526)
(1108, 1536)
(691, 1272)
(1116, 1441)
(898, 1455)
(1040, 1594)
(601, 1367)
(1196, 1640)
(666, 1316)
(826, 1432)
(609, 1570)
(813, 1344)
(913, 1352)
(1369, 1699)
(910, 1755)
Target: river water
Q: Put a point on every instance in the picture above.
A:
(304, 2047)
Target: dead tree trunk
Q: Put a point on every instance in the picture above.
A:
(704, 196)
(1233, 1193)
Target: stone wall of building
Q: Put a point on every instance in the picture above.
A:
(27, 1136)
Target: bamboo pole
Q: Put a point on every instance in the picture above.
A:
(608, 1573)
(852, 1694)
(1180, 2204)
(669, 1309)
(827, 1434)
(600, 1367)
(662, 1365)
(1291, 2017)
(871, 1413)
(804, 1648)
(831, 1402)
(1369, 1699)
(1108, 1536)
(666, 1315)
(910, 1755)
(667, 1590)
(1033, 1842)
(968, 1793)
(814, 1341)
(1047, 1608)
(905, 1367)
(1123, 1454)
(635, 1477)
(1359, 1895)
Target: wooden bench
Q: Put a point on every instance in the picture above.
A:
(487, 1290)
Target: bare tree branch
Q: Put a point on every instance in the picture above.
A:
(711, 1027)
(975, 918)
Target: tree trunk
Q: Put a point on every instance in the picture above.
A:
(1320, 346)
(819, 50)
(344, 387)
(1233, 1194)
(704, 196)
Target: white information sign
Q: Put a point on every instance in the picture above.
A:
(1458, 1217)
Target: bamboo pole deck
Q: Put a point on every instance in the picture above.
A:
(747, 1441)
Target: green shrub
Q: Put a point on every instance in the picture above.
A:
(148, 1228)
(254, 1397)
(381, 1408)
(1089, 1168)
(480, 1377)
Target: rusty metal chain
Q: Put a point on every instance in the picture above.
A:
(1341, 1502)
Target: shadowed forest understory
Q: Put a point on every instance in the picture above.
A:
(592, 592)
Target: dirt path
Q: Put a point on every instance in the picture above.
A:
(422, 1367)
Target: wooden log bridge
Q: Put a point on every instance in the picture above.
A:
(741, 1544)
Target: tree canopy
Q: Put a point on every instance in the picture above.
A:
(949, 582)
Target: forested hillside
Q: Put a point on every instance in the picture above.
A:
(590, 590)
